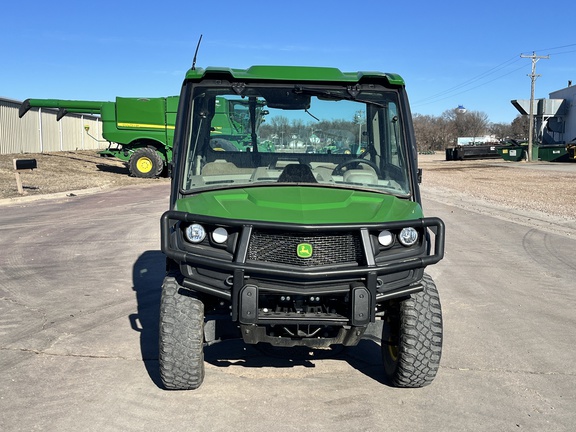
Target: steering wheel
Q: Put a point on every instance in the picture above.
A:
(338, 169)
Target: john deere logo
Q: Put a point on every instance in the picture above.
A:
(304, 250)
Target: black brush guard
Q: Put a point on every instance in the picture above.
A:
(360, 282)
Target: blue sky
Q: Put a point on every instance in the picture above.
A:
(450, 53)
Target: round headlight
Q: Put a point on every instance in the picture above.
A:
(220, 235)
(385, 238)
(195, 233)
(408, 236)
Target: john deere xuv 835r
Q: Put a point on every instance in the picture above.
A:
(313, 237)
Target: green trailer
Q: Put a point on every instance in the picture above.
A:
(140, 131)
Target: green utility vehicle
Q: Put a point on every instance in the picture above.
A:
(140, 131)
(287, 247)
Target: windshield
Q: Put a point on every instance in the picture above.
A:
(256, 135)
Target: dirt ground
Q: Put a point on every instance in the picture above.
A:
(544, 187)
(538, 186)
(66, 172)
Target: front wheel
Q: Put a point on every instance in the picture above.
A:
(145, 163)
(412, 338)
(181, 355)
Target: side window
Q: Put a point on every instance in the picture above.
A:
(387, 150)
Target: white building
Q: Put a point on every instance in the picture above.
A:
(482, 140)
(39, 132)
(568, 117)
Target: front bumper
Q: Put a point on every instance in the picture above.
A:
(251, 280)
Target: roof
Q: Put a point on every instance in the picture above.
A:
(294, 73)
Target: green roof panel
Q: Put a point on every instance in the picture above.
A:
(293, 73)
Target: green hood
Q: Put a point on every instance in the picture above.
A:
(301, 204)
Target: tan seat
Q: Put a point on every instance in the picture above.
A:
(219, 167)
(362, 176)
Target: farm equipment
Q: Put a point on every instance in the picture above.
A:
(140, 131)
(291, 247)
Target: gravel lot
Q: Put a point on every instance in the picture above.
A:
(541, 188)
(65, 172)
(83, 355)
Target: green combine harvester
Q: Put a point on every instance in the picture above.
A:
(140, 131)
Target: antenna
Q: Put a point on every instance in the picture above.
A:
(196, 53)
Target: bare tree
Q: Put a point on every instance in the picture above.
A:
(437, 133)
(432, 133)
(519, 127)
(298, 128)
(477, 123)
(502, 131)
(466, 123)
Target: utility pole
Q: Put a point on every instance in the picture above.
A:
(533, 77)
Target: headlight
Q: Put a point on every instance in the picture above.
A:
(408, 236)
(385, 238)
(195, 233)
(220, 235)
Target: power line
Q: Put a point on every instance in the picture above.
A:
(448, 96)
(555, 48)
(564, 52)
(454, 91)
(470, 81)
(449, 92)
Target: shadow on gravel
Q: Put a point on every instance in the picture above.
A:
(113, 169)
(365, 357)
(147, 275)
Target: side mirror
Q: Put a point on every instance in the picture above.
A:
(419, 175)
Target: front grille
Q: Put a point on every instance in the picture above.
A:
(329, 248)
